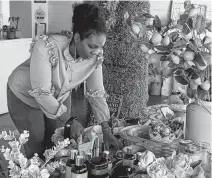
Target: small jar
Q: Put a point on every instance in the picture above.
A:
(204, 147)
(209, 161)
(183, 144)
(194, 152)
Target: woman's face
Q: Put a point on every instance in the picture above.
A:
(91, 46)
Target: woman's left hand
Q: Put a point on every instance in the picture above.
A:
(109, 138)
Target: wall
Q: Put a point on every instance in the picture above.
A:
(162, 9)
(22, 9)
(60, 15)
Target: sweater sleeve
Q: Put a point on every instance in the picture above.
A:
(97, 96)
(43, 59)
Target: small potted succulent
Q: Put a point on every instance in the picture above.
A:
(4, 31)
(11, 32)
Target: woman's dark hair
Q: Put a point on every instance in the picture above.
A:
(87, 20)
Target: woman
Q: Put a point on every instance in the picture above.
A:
(39, 89)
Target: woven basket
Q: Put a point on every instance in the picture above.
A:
(139, 134)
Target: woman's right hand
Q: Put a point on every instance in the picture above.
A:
(75, 130)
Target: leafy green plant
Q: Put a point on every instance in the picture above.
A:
(11, 29)
(186, 46)
(4, 28)
(15, 20)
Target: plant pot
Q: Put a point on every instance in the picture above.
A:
(18, 34)
(155, 88)
(198, 123)
(4, 34)
(11, 35)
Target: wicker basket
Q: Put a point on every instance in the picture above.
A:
(139, 134)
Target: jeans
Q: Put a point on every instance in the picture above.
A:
(33, 120)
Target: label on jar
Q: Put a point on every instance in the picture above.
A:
(99, 172)
(128, 163)
(83, 175)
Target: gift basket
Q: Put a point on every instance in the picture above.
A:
(160, 131)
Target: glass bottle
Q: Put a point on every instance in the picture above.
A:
(209, 161)
(98, 168)
(106, 155)
(128, 158)
(88, 157)
(70, 162)
(136, 161)
(79, 169)
(204, 147)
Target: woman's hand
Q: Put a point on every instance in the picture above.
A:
(109, 138)
(74, 130)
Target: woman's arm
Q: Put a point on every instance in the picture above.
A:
(97, 96)
(41, 77)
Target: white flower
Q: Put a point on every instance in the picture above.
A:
(44, 173)
(14, 145)
(15, 172)
(25, 173)
(7, 155)
(52, 166)
(22, 160)
(33, 170)
(11, 164)
(35, 160)
(3, 134)
(24, 137)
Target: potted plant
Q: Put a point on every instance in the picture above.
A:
(15, 21)
(4, 31)
(155, 75)
(11, 32)
(186, 46)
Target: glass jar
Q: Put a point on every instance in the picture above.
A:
(209, 161)
(98, 168)
(183, 144)
(204, 147)
(194, 152)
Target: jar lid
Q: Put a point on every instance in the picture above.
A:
(185, 142)
(192, 149)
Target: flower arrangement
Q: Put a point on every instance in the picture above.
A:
(20, 166)
(185, 46)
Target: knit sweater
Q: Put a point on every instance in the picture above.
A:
(45, 80)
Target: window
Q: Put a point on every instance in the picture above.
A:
(4, 12)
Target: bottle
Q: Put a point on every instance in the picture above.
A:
(128, 158)
(106, 155)
(79, 169)
(136, 161)
(88, 157)
(98, 168)
(70, 162)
